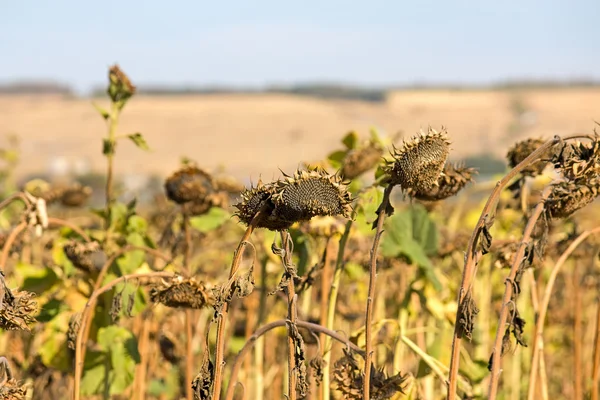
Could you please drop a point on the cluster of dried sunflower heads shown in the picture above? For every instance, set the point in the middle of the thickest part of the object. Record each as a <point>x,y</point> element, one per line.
<point>195,189</point>
<point>522,150</point>
<point>16,309</point>
<point>306,194</point>
<point>360,160</point>
<point>87,257</point>
<point>451,181</point>
<point>418,163</point>
<point>569,196</point>
<point>578,161</point>
<point>120,87</point>
<point>182,292</point>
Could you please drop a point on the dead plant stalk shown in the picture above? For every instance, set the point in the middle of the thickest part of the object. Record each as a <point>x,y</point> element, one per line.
<point>539,327</point>
<point>508,292</point>
<point>385,202</point>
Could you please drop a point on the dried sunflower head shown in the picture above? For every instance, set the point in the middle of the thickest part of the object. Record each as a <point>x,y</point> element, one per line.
<point>568,197</point>
<point>16,309</point>
<point>120,87</point>
<point>87,257</point>
<point>312,193</point>
<point>182,293</point>
<point>253,200</point>
<point>361,160</point>
<point>300,197</point>
<point>418,163</point>
<point>452,180</point>
<point>75,196</point>
<point>190,183</point>
<point>578,160</point>
<point>13,390</point>
<point>522,150</point>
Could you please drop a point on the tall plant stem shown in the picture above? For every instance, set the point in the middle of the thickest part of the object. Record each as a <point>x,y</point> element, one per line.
<point>110,154</point>
<point>508,292</point>
<point>9,242</point>
<point>577,334</point>
<point>88,313</point>
<point>276,324</point>
<point>472,255</point>
<point>189,350</point>
<point>596,360</point>
<point>385,203</point>
<point>331,305</point>
<point>222,316</point>
<point>539,325</point>
<point>290,272</point>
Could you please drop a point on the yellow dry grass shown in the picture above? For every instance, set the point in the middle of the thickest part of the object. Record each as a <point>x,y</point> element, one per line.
<point>251,135</point>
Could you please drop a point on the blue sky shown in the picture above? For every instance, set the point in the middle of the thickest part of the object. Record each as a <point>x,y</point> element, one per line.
<point>254,43</point>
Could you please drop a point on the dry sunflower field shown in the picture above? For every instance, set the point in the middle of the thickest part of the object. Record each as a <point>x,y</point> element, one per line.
<point>381,272</point>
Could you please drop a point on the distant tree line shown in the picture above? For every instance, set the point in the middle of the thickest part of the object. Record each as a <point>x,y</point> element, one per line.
<point>318,90</point>
<point>31,87</point>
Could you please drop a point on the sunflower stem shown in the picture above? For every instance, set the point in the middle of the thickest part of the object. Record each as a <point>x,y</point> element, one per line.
<point>385,202</point>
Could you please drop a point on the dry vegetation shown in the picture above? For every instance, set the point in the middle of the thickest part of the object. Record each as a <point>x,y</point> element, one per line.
<point>380,270</point>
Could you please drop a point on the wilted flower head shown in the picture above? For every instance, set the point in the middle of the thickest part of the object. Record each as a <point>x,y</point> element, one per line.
<point>75,195</point>
<point>360,160</point>
<point>578,160</point>
<point>180,292</point>
<point>418,163</point>
<point>451,181</point>
<point>195,189</point>
<point>16,309</point>
<point>87,257</point>
<point>568,197</point>
<point>522,150</point>
<point>306,194</point>
<point>120,88</point>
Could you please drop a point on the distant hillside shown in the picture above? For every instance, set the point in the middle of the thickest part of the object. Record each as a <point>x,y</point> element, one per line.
<point>35,87</point>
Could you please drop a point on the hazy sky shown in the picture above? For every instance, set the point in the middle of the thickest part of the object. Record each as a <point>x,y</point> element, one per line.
<point>258,42</point>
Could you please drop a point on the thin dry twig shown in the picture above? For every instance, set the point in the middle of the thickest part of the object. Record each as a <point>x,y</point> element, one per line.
<point>539,327</point>
<point>385,203</point>
<point>222,316</point>
<point>472,256</point>
<point>508,292</point>
<point>85,326</point>
<point>276,324</point>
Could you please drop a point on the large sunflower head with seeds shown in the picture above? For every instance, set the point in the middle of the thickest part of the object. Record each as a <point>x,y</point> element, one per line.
<point>300,197</point>
<point>418,162</point>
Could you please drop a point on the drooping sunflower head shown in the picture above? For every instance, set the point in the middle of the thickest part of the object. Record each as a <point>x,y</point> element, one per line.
<point>418,162</point>
<point>306,194</point>
<point>451,181</point>
<point>180,292</point>
<point>522,150</point>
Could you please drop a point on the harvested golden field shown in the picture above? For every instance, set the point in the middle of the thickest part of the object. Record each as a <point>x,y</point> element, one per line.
<point>257,134</point>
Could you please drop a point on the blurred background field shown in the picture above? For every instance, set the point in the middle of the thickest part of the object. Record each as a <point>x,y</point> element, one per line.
<point>251,135</point>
